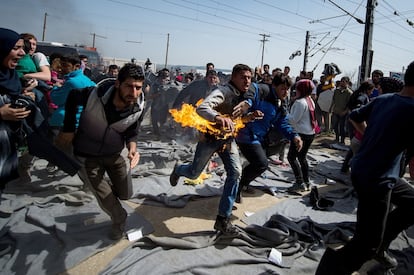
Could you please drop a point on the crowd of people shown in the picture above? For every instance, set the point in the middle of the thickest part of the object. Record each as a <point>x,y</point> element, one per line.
<point>90,122</point>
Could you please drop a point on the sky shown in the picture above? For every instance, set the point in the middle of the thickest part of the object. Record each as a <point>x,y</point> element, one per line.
<point>194,32</point>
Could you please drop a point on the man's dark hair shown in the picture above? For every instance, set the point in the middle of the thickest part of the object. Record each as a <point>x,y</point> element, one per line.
<point>131,70</point>
<point>113,67</point>
<point>211,72</point>
<point>209,64</point>
<point>72,59</point>
<point>409,75</point>
<point>346,79</point>
<point>378,72</point>
<point>279,79</point>
<point>239,68</point>
<point>53,56</point>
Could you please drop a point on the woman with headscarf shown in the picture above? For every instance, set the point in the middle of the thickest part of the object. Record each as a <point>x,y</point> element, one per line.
<point>11,50</point>
<point>302,118</point>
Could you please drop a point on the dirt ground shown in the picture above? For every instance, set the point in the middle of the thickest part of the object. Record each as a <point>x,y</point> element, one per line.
<point>197,215</point>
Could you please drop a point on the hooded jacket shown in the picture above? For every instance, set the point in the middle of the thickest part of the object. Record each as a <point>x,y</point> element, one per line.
<point>275,115</point>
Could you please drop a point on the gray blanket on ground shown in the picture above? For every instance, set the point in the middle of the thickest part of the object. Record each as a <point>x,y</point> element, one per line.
<point>51,225</point>
<point>151,178</point>
<point>291,227</point>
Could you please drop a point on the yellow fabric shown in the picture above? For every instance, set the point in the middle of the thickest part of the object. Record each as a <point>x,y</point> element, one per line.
<point>198,180</point>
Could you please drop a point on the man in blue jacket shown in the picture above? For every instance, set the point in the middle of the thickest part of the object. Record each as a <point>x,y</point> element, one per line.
<point>251,138</point>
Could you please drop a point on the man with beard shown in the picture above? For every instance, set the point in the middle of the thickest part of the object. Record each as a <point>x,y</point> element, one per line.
<point>221,106</point>
<point>109,122</point>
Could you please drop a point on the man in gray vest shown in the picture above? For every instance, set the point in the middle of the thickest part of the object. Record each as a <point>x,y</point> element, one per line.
<point>109,123</point>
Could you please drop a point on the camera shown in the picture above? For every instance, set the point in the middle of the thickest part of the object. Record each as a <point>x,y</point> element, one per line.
<point>24,82</point>
<point>20,103</point>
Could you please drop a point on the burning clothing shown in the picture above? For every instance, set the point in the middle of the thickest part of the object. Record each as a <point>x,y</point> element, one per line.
<point>191,94</point>
<point>221,101</point>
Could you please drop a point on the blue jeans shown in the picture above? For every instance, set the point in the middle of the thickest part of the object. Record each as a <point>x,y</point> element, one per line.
<point>229,154</point>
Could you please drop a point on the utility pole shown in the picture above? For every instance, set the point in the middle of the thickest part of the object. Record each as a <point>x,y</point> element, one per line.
<point>367,52</point>
<point>305,56</point>
<point>94,36</point>
<point>44,27</point>
<point>166,54</point>
<point>264,40</point>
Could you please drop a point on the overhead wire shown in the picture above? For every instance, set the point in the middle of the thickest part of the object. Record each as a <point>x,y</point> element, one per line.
<point>177,15</point>
<point>408,21</point>
<point>336,37</point>
<point>223,7</point>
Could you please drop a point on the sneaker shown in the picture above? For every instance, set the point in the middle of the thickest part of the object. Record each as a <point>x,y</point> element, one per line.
<point>386,260</point>
<point>276,161</point>
<point>174,177</point>
<point>224,225</point>
<point>296,187</point>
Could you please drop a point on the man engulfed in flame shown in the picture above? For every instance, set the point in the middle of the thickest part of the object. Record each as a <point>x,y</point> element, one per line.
<point>187,116</point>
<point>222,109</point>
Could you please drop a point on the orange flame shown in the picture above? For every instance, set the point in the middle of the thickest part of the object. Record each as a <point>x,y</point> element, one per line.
<point>188,117</point>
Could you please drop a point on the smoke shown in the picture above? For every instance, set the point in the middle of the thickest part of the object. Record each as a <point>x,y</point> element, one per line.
<point>58,21</point>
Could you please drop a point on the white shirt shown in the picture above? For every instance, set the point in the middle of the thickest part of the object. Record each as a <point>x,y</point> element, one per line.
<point>40,59</point>
<point>299,117</point>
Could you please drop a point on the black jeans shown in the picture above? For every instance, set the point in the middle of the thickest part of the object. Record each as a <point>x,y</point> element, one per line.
<point>384,211</point>
<point>298,161</point>
<point>258,163</point>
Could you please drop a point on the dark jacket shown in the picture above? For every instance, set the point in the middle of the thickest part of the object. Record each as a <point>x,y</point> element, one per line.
<point>96,136</point>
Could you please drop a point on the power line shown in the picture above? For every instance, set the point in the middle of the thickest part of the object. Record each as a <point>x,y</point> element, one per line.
<point>210,14</point>
<point>178,15</point>
<point>342,9</point>
<point>409,22</point>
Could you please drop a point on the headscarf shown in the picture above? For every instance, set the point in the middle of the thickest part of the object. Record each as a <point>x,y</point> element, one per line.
<point>9,80</point>
<point>390,85</point>
<point>304,87</point>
